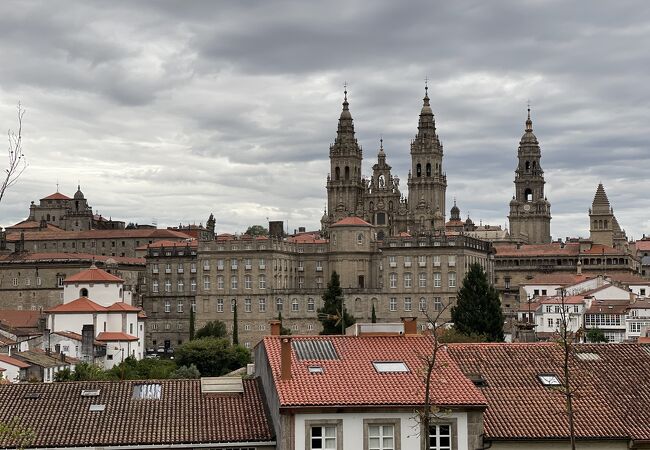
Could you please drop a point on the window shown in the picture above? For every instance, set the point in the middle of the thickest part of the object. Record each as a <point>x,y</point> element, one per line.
<point>359,238</point>
<point>168,286</point>
<point>311,305</point>
<point>179,306</point>
<point>233,264</point>
<point>248,282</point>
<point>248,307</point>
<point>392,304</point>
<point>168,306</point>
<point>549,308</point>
<point>193,285</point>
<point>301,282</point>
<point>168,268</point>
<point>206,264</point>
<point>393,280</point>
<point>436,261</point>
<point>422,277</point>
<point>220,283</point>
<point>262,305</point>
<point>154,286</point>
<point>278,304</point>
<point>262,281</point>
<point>323,434</point>
<point>451,260</point>
<point>220,305</point>
<point>219,264</point>
<point>380,434</point>
<point>180,268</point>
<point>193,267</point>
<point>440,437</point>
<point>452,279</point>
<point>294,305</point>
<point>59,281</point>
<point>422,260</point>
<point>506,282</point>
<point>407,261</point>
<point>549,322</point>
<point>407,280</point>
<point>407,304</point>
<point>390,366</point>
<point>262,264</point>
<point>437,303</point>
<point>422,306</point>
<point>319,266</point>
<point>206,282</point>
<point>392,262</point>
<point>233,282</point>
<point>233,305</point>
<point>181,285</point>
<point>548,379</point>
<point>437,279</point>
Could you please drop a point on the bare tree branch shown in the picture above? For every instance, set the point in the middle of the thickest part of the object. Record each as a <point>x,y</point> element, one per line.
<point>16,162</point>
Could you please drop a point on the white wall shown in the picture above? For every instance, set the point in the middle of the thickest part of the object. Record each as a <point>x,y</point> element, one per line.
<point>11,373</point>
<point>353,428</point>
<point>104,294</point>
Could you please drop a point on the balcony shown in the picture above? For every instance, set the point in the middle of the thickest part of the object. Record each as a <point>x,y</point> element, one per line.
<point>407,264</point>
<point>319,269</point>
<point>248,267</point>
<point>301,269</point>
<point>193,270</point>
<point>181,270</point>
<point>262,266</point>
<point>168,270</point>
<point>392,264</point>
<point>220,267</point>
<point>233,267</point>
<point>154,270</point>
<point>422,264</point>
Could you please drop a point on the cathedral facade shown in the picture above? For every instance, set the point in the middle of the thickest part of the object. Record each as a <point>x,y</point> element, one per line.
<point>378,200</point>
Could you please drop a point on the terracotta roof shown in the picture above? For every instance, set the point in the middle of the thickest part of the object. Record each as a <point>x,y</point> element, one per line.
<point>67,257</point>
<point>20,318</point>
<point>561,278</point>
<point>629,278</point>
<point>167,243</point>
<point>115,336</point>
<point>93,275</point>
<point>608,307</point>
<point>643,245</point>
<point>612,397</point>
<point>352,222</point>
<point>56,196</point>
<point>32,225</point>
<point>80,305</point>
<point>99,234</point>
<point>13,361</point>
<point>308,238</point>
<point>60,416</point>
<point>121,306</point>
<point>40,358</point>
<point>351,379</point>
<point>555,249</point>
<point>75,337</point>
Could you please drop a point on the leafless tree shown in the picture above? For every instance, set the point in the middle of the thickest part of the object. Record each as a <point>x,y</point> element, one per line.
<point>16,163</point>
<point>567,339</point>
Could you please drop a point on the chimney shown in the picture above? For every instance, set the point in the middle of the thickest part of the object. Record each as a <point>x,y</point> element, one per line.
<point>87,342</point>
<point>285,358</point>
<point>62,357</point>
<point>275,327</point>
<point>410,326</point>
<point>302,229</point>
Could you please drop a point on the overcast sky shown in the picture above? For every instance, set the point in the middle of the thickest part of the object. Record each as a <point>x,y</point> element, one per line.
<point>169,111</point>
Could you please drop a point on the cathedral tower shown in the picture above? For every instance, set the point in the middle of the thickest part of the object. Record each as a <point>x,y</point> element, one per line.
<point>603,226</point>
<point>344,186</point>
<point>427,183</point>
<point>530,211</point>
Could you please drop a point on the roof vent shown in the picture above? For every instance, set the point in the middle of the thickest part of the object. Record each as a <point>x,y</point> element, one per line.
<point>149,391</point>
<point>32,395</point>
<point>222,385</point>
<point>90,393</point>
<point>316,370</point>
<point>96,407</point>
<point>390,366</point>
<point>477,379</point>
<point>588,356</point>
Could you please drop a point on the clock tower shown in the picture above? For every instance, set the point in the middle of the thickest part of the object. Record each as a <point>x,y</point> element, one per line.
<point>530,211</point>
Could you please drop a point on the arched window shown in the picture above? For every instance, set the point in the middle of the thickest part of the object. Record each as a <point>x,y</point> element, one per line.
<point>347,172</point>
<point>428,169</point>
<point>380,235</point>
<point>381,218</point>
<point>418,170</point>
<point>527,166</point>
<point>390,205</point>
<point>528,195</point>
<point>372,206</point>
<point>48,217</point>
<point>83,292</point>
<point>534,165</point>
<point>337,174</point>
<point>360,238</point>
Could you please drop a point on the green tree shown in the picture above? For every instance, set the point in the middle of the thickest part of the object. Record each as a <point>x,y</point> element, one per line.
<point>373,315</point>
<point>88,372</point>
<point>212,356</point>
<point>284,331</point>
<point>478,308</point>
<point>185,372</point>
<point>449,335</point>
<point>235,325</point>
<point>596,335</point>
<point>144,369</point>
<point>215,328</point>
<point>64,375</point>
<point>257,230</point>
<point>333,315</point>
<point>192,322</point>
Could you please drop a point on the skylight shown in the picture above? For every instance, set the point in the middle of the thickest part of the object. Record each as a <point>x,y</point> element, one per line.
<point>150,391</point>
<point>390,366</point>
<point>549,379</point>
<point>32,395</point>
<point>90,393</point>
<point>96,407</point>
<point>315,369</point>
<point>588,356</point>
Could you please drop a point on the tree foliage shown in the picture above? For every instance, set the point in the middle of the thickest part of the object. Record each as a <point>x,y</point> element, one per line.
<point>186,372</point>
<point>14,435</point>
<point>373,315</point>
<point>478,308</point>
<point>212,356</point>
<point>215,328</point>
<point>235,324</point>
<point>596,335</point>
<point>450,335</point>
<point>284,331</point>
<point>333,315</point>
<point>257,230</point>
<point>143,369</point>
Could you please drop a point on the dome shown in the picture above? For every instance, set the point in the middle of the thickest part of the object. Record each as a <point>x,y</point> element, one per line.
<point>78,195</point>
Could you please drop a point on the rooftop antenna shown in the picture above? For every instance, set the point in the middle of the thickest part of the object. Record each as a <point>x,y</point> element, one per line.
<point>57,185</point>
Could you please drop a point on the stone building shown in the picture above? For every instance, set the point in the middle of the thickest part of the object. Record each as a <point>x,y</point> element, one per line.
<point>378,200</point>
<point>603,226</point>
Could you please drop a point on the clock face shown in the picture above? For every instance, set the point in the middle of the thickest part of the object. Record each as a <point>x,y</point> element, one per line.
<point>526,207</point>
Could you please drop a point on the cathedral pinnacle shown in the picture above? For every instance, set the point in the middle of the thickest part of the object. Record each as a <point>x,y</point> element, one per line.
<point>529,122</point>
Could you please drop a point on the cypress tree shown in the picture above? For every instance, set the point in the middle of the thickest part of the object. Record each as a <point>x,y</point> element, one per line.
<point>373,315</point>
<point>235,327</point>
<point>332,310</point>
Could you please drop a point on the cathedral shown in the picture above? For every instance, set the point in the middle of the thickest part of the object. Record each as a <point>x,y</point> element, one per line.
<point>378,200</point>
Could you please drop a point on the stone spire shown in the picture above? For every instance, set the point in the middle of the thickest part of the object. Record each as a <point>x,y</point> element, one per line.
<point>601,202</point>
<point>345,132</point>
<point>426,123</point>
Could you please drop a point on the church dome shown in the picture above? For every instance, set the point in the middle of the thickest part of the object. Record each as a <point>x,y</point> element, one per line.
<point>78,195</point>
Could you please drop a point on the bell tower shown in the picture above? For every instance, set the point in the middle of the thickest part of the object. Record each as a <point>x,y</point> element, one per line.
<point>344,186</point>
<point>427,183</point>
<point>530,211</point>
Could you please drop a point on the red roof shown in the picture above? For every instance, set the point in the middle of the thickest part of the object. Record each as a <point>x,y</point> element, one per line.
<point>351,378</point>
<point>13,361</point>
<point>80,305</point>
<point>93,275</point>
<point>32,225</point>
<point>69,257</point>
<point>611,391</point>
<point>561,278</point>
<point>555,249</point>
<point>56,196</point>
<point>115,336</point>
<point>352,222</point>
<point>99,234</point>
<point>121,306</point>
<point>643,245</point>
<point>168,243</point>
<point>20,318</point>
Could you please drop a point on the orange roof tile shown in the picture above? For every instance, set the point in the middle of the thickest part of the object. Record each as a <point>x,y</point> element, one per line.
<point>93,275</point>
<point>168,243</point>
<point>32,225</point>
<point>115,336</point>
<point>554,249</point>
<point>13,361</point>
<point>67,257</point>
<point>643,245</point>
<point>351,380</point>
<point>352,222</point>
<point>561,278</point>
<point>56,196</point>
<point>121,306</point>
<point>99,234</point>
<point>20,318</point>
<point>80,305</point>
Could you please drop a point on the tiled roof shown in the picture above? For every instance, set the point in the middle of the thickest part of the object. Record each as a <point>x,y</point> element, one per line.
<point>20,318</point>
<point>643,245</point>
<point>40,358</point>
<point>555,249</point>
<point>121,306</point>
<point>93,275</point>
<point>56,196</point>
<point>68,257</point>
<point>115,336</point>
<point>351,380</point>
<point>608,307</point>
<point>13,361</point>
<point>60,416</point>
<point>561,278</point>
<point>74,336</point>
<point>99,234</point>
<point>352,222</point>
<point>80,305</point>
<point>192,243</point>
<point>612,397</point>
<point>308,238</point>
<point>32,225</point>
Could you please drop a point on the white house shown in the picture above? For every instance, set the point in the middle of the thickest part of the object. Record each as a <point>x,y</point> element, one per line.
<point>13,370</point>
<point>356,392</point>
<point>96,306</point>
<point>637,321</point>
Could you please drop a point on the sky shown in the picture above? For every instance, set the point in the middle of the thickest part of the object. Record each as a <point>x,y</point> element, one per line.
<point>167,111</point>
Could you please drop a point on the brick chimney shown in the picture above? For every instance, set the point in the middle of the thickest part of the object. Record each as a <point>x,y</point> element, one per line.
<point>410,326</point>
<point>285,358</point>
<point>275,327</point>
